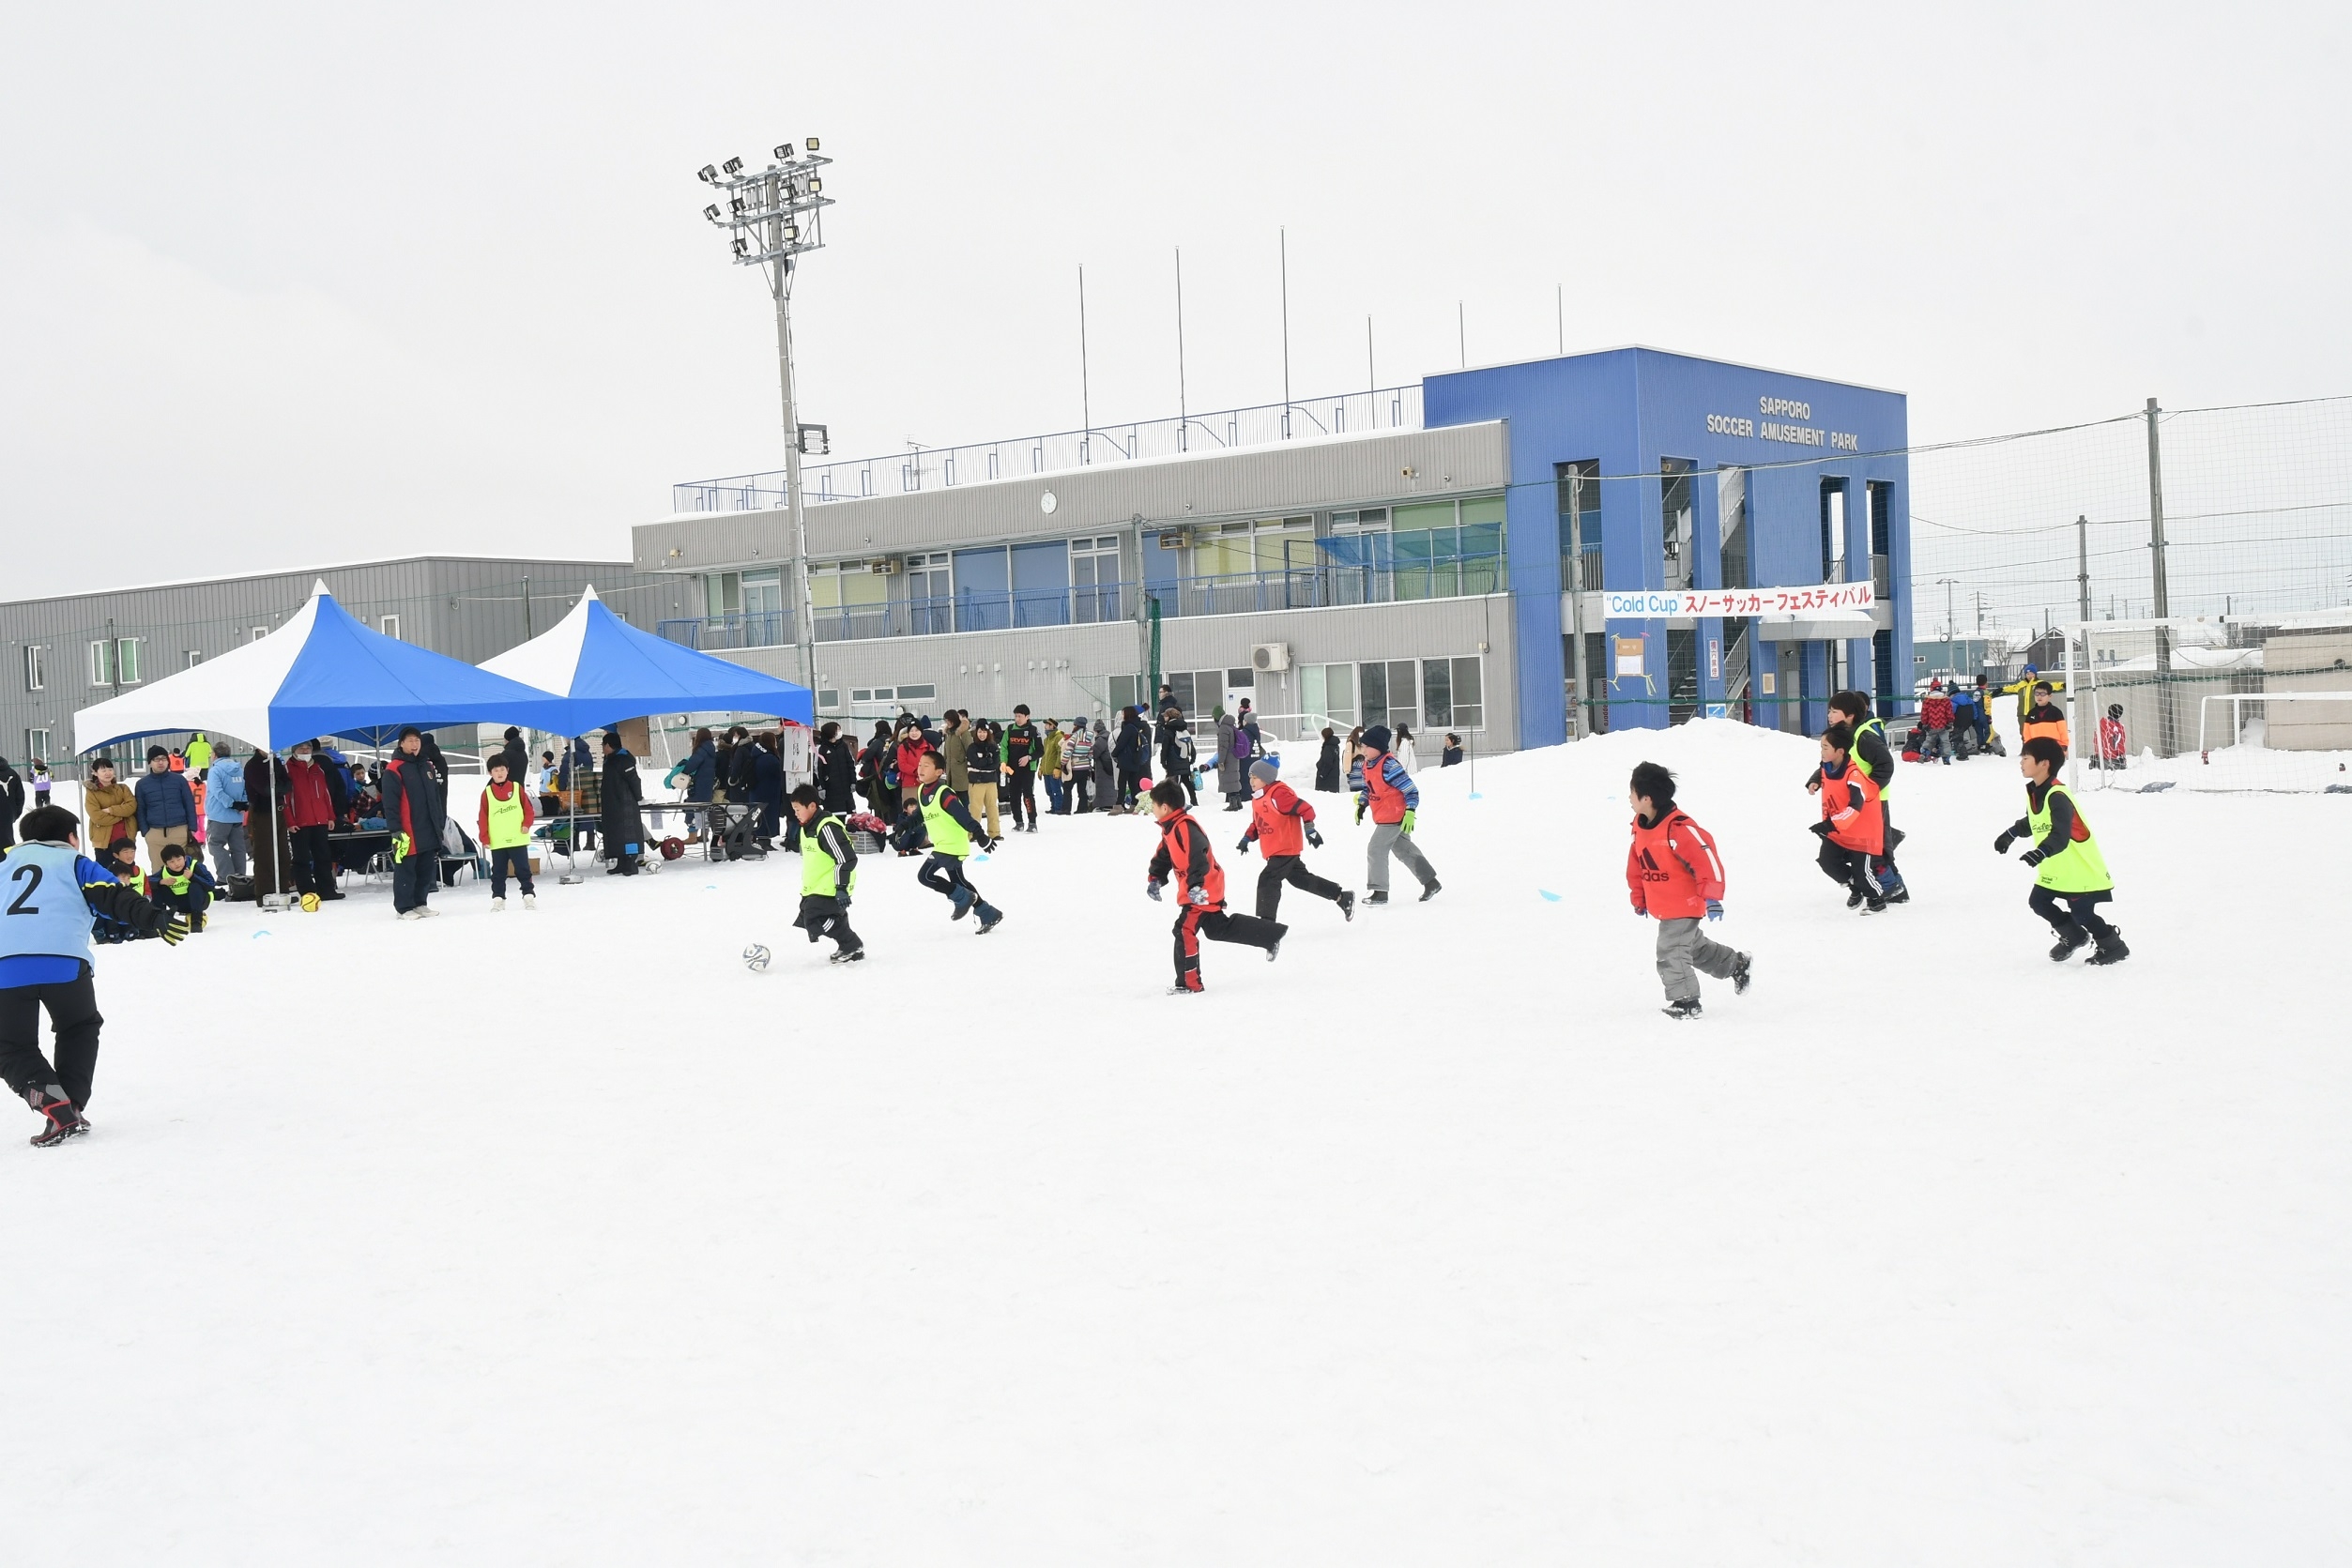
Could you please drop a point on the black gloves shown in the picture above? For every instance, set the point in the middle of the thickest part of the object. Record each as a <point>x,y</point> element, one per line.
<point>2031,857</point>
<point>2001,845</point>
<point>1822,827</point>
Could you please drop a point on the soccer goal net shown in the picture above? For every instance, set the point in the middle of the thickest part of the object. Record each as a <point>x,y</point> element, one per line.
<point>2211,703</point>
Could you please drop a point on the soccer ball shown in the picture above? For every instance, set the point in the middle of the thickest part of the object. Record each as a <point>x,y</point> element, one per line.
<point>310,903</point>
<point>755,958</point>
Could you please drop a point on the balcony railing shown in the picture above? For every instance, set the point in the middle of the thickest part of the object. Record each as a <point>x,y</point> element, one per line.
<point>998,610</point>
<point>943,468</point>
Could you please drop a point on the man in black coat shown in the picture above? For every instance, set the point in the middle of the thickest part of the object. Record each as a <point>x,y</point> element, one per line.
<point>622,826</point>
<point>417,810</point>
<point>1133,754</point>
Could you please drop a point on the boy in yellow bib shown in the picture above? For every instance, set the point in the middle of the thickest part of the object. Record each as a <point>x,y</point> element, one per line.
<point>2067,866</point>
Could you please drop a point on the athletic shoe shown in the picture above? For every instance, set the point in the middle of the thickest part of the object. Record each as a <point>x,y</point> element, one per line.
<point>1739,975</point>
<point>1854,897</point>
<point>1273,947</point>
<point>1181,990</point>
<point>1430,893</point>
<point>1901,893</point>
<point>1347,905</point>
<point>412,914</point>
<point>426,911</point>
<point>530,900</point>
<point>1686,1008</point>
<point>2111,949</point>
<point>1874,906</point>
<point>498,905</point>
<point>1378,895</point>
<point>2071,941</point>
<point>852,955</point>
<point>64,1120</point>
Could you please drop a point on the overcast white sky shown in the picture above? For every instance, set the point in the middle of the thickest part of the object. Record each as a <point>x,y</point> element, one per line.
<point>291,283</point>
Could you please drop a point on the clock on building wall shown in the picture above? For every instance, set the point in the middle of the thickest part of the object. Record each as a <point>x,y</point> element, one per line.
<point>1046,502</point>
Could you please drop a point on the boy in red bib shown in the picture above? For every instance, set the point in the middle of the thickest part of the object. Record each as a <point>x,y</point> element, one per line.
<point>1200,891</point>
<point>1853,825</point>
<point>1676,877</point>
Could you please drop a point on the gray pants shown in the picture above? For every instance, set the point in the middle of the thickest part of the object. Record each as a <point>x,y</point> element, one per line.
<point>1683,949</point>
<point>1391,838</point>
<point>226,840</point>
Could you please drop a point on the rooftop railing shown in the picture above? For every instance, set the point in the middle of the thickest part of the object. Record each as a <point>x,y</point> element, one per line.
<point>921,468</point>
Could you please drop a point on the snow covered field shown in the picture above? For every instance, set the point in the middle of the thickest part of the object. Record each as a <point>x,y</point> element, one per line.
<point>560,1238</point>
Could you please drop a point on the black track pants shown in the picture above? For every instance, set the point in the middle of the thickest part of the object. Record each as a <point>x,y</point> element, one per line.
<point>73,1014</point>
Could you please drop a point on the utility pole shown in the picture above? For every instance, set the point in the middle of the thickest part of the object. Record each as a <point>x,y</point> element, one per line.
<point>527,606</point>
<point>1086,392</point>
<point>2082,566</point>
<point>2166,725</point>
<point>1283,237</point>
<point>1952,618</point>
<point>1184,416</point>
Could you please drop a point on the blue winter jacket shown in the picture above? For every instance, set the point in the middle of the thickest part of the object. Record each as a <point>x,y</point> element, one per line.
<point>165,801</point>
<point>224,791</point>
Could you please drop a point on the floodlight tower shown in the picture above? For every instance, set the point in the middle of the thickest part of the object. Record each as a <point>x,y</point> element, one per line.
<point>775,215</point>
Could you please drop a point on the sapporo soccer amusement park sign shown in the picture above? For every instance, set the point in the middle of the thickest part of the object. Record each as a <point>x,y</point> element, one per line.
<point>1675,605</point>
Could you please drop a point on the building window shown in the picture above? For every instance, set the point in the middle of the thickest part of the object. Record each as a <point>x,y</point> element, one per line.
<point>918,693</point>
<point>1674,512</point>
<point>1329,691</point>
<point>1731,514</point>
<point>35,668</point>
<point>930,594</point>
<point>1682,672</point>
<point>37,745</point>
<point>1833,530</point>
<point>849,599</point>
<point>1094,579</point>
<point>1580,525</point>
<point>389,625</point>
<point>828,701</point>
<point>259,632</point>
<point>1388,693</point>
<point>1470,694</point>
<point>195,657</point>
<point>103,663</point>
<point>126,660</point>
<point>723,594</point>
<point>1597,682</point>
<point>1452,693</point>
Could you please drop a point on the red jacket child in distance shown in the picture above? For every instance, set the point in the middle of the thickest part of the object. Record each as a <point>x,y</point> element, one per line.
<point>1184,854</point>
<point>1675,876</point>
<point>1282,825</point>
<point>1852,828</point>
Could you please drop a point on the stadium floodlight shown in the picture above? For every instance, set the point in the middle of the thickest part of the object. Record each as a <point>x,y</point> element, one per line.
<point>774,215</point>
<point>708,174</point>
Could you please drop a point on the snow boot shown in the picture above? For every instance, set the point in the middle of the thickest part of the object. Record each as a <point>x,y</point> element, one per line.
<point>962,898</point>
<point>1378,895</point>
<point>1679,1011</point>
<point>1347,905</point>
<point>1430,892</point>
<point>2073,940</point>
<point>2111,947</point>
<point>990,918</point>
<point>498,905</point>
<point>1739,975</point>
<point>64,1120</point>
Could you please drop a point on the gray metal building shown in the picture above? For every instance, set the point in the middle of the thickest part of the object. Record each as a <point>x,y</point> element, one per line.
<point>66,653</point>
<point>1340,576</point>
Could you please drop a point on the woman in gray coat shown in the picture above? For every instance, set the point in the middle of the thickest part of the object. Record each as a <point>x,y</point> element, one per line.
<point>1231,781</point>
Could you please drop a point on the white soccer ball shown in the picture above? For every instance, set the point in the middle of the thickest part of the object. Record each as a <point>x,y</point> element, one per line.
<point>755,958</point>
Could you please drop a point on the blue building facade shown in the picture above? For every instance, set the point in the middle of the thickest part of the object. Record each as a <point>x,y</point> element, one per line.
<point>1679,491</point>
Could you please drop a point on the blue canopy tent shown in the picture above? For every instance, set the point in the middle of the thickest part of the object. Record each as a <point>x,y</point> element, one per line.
<point>322,673</point>
<point>604,670</point>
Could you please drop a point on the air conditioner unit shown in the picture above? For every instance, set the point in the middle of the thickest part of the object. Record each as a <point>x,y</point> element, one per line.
<point>889,568</point>
<point>1270,657</point>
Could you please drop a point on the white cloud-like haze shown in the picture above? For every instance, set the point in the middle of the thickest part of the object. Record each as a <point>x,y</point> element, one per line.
<point>280,285</point>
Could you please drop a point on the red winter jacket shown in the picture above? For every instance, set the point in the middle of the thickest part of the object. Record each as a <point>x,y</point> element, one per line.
<point>309,804</point>
<point>1185,850</point>
<point>1937,712</point>
<point>1279,821</point>
<point>1673,868</point>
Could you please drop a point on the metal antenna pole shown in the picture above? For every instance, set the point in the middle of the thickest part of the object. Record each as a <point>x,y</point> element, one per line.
<point>1560,306</point>
<point>2082,566</point>
<point>1283,235</point>
<point>1461,332</point>
<point>1371,377</point>
<point>1183,413</point>
<point>1086,392</point>
<point>2166,725</point>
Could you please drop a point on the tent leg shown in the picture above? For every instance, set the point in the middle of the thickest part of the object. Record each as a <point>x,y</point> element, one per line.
<point>571,876</point>
<point>276,898</point>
